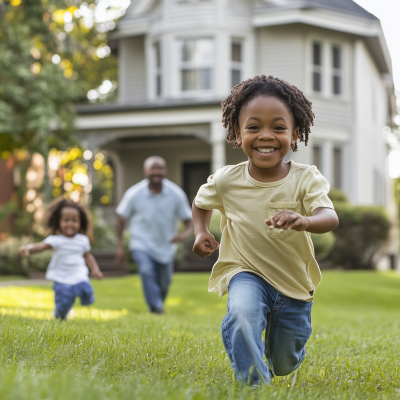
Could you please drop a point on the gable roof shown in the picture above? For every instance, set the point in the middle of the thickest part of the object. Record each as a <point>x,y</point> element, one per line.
<point>343,6</point>
<point>347,6</point>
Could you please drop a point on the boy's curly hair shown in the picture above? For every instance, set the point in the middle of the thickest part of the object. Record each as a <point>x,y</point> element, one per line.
<point>241,94</point>
<point>53,216</point>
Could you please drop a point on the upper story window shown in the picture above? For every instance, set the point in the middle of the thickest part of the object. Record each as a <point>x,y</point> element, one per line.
<point>158,75</point>
<point>327,68</point>
<point>336,70</point>
<point>236,63</point>
<point>197,58</point>
<point>317,67</point>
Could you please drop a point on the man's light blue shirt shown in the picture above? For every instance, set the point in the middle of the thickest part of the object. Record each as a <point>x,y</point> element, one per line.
<point>154,218</point>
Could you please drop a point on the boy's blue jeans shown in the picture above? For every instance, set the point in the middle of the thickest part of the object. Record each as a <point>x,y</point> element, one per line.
<point>156,278</point>
<point>65,296</point>
<point>253,306</point>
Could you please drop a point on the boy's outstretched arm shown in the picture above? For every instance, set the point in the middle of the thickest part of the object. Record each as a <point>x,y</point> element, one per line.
<point>25,250</point>
<point>92,265</point>
<point>205,243</point>
<point>322,220</point>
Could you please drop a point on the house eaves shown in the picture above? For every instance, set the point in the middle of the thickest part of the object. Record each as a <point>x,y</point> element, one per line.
<point>368,28</point>
<point>85,109</point>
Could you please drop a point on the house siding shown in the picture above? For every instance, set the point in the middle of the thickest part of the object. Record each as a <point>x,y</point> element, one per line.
<point>132,70</point>
<point>371,105</point>
<point>279,52</point>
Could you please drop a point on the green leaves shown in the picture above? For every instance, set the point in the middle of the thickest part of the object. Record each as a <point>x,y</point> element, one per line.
<point>34,92</point>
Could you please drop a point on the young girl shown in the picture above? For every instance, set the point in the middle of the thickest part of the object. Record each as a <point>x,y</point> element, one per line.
<point>69,223</point>
<point>269,208</point>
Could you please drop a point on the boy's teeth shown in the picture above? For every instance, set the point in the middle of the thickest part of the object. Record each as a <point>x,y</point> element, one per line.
<point>265,150</point>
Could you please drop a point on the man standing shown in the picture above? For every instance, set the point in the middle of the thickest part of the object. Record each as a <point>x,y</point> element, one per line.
<point>154,207</point>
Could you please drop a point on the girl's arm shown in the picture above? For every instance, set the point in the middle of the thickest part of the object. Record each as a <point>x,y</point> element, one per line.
<point>25,250</point>
<point>205,243</point>
<point>92,265</point>
<point>322,220</point>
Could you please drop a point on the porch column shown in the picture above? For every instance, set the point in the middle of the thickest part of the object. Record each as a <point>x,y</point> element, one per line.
<point>218,140</point>
<point>327,161</point>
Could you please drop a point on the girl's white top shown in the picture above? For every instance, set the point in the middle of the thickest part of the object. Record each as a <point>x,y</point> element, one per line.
<point>67,264</point>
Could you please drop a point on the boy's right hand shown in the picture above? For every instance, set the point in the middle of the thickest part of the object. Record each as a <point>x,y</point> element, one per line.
<point>23,251</point>
<point>205,244</point>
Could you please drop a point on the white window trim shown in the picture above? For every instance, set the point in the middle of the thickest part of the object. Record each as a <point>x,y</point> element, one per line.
<point>180,64</point>
<point>239,66</point>
<point>327,68</point>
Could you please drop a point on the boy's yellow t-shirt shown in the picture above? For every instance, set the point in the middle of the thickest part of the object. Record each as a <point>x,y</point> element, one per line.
<point>284,259</point>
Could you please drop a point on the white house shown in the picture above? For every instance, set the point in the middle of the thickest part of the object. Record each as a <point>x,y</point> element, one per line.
<point>179,58</point>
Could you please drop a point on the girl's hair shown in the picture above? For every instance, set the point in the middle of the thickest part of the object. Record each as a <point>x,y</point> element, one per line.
<point>244,92</point>
<point>53,216</point>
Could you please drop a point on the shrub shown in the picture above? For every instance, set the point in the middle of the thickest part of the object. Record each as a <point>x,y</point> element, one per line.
<point>337,196</point>
<point>323,244</point>
<point>360,235</point>
<point>12,264</point>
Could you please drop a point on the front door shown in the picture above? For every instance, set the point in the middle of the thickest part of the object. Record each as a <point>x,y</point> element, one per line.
<point>194,175</point>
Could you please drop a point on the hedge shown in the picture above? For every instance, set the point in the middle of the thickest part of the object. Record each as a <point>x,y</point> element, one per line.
<point>361,233</point>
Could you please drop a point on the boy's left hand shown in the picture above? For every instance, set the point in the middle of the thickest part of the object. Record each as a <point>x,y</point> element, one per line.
<point>284,220</point>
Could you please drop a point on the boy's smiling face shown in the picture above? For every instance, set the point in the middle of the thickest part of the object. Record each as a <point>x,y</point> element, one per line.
<point>266,132</point>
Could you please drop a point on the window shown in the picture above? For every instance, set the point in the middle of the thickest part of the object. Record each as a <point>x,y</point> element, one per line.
<point>157,51</point>
<point>317,67</point>
<point>337,168</point>
<point>336,70</point>
<point>197,56</point>
<point>317,161</point>
<point>236,63</point>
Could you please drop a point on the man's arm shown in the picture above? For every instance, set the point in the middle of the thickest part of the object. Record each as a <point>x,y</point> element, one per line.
<point>205,243</point>
<point>120,243</point>
<point>187,232</point>
<point>24,251</point>
<point>92,265</point>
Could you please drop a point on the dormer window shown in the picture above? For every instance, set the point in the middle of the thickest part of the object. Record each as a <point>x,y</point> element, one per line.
<point>197,58</point>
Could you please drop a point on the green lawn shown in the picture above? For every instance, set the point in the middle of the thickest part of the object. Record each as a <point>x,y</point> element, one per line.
<point>116,350</point>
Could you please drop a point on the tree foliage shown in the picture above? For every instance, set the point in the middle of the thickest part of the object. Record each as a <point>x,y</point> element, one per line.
<point>35,96</point>
<point>49,60</point>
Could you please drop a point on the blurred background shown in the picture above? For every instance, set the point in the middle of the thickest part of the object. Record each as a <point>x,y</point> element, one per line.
<point>89,89</point>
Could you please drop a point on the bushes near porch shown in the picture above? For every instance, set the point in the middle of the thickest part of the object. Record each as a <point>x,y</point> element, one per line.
<point>360,236</point>
<point>354,244</point>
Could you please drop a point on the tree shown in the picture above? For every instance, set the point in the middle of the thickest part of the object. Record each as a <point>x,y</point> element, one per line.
<point>51,54</point>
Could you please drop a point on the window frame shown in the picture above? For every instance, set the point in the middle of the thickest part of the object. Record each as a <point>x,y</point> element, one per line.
<point>158,69</point>
<point>190,65</point>
<point>337,72</point>
<point>317,68</point>
<point>236,66</point>
<point>327,69</point>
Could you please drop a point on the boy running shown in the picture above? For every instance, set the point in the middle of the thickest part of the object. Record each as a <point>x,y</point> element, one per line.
<point>269,208</point>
